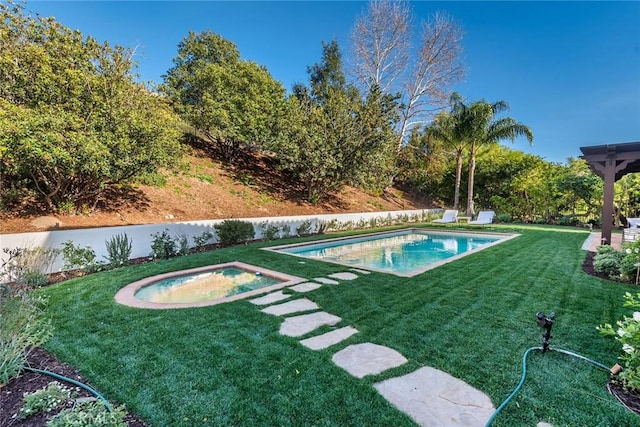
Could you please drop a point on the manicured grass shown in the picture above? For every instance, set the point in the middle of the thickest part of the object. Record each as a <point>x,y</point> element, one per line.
<point>473,318</point>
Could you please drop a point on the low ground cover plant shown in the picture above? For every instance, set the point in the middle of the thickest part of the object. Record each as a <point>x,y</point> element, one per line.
<point>608,261</point>
<point>89,414</point>
<point>53,396</point>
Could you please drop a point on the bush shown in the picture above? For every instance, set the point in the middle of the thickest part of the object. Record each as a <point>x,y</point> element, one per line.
<point>233,231</point>
<point>79,258</point>
<point>21,329</point>
<point>269,231</point>
<point>89,414</point>
<point>162,245</point>
<point>201,240</point>
<point>304,228</point>
<point>569,220</point>
<point>182,244</point>
<point>118,250</point>
<point>44,400</point>
<point>28,267</point>
<point>627,332</point>
<point>631,257</point>
<point>608,261</point>
<point>506,218</point>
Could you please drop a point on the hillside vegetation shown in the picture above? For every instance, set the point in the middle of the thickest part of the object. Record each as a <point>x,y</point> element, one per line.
<point>206,189</point>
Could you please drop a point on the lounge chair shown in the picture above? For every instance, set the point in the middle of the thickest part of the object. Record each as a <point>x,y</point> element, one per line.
<point>449,215</point>
<point>484,217</point>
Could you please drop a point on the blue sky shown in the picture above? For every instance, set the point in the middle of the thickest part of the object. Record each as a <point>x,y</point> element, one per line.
<point>569,70</point>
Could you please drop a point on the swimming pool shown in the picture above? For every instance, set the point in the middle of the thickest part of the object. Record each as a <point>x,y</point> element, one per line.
<point>203,286</point>
<point>403,253</point>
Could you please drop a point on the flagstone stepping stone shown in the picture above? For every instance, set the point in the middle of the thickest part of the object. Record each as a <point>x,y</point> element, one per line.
<point>326,281</point>
<point>434,398</point>
<point>306,287</point>
<point>330,338</point>
<point>270,298</point>
<point>289,307</point>
<point>365,359</point>
<point>297,326</point>
<point>344,276</point>
<point>357,270</point>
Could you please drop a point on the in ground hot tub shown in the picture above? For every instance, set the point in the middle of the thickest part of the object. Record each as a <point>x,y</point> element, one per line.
<point>199,287</point>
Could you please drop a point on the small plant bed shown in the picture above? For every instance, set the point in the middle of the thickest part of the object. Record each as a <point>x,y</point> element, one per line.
<point>12,394</point>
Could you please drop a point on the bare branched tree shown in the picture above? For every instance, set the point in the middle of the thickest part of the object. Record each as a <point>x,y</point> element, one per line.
<point>424,74</point>
<point>381,40</point>
<point>434,70</point>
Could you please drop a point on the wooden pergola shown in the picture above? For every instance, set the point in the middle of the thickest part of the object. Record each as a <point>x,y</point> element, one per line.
<point>611,162</point>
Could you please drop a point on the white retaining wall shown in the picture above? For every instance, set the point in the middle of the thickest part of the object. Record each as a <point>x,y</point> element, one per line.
<point>140,235</point>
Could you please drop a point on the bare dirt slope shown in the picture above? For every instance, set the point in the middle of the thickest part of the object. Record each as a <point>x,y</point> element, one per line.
<point>208,190</point>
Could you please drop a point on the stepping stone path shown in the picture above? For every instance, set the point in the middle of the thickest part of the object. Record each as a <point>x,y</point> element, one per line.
<point>330,338</point>
<point>435,398</point>
<point>289,307</point>
<point>365,359</point>
<point>344,276</point>
<point>306,287</point>
<point>429,396</point>
<point>326,281</point>
<point>297,326</point>
<point>270,298</point>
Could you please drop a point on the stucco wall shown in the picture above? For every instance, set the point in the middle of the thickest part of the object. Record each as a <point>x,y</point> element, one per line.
<point>140,235</point>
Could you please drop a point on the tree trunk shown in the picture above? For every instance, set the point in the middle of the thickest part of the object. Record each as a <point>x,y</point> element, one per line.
<point>472,171</point>
<point>456,196</point>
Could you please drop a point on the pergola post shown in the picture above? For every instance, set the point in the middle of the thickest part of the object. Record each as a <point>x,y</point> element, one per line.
<point>607,204</point>
<point>611,162</point>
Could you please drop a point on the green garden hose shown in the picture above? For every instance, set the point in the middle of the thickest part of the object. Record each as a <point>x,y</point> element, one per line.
<point>74,382</point>
<point>524,374</point>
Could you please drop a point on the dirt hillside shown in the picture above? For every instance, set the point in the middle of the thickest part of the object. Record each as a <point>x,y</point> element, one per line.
<point>208,190</point>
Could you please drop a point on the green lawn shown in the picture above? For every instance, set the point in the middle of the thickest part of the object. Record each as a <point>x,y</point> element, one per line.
<point>473,318</point>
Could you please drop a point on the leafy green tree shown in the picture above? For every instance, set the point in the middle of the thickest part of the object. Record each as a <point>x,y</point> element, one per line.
<point>331,136</point>
<point>423,164</point>
<point>581,191</point>
<point>231,101</point>
<point>375,166</point>
<point>517,183</point>
<point>73,121</point>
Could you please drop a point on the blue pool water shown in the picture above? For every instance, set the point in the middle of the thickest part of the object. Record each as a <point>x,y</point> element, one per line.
<point>204,286</point>
<point>403,253</point>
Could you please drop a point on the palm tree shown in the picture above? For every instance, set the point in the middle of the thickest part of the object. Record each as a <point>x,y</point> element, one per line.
<point>445,129</point>
<point>478,126</point>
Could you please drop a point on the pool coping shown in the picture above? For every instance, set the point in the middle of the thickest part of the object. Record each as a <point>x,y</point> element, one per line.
<point>414,272</point>
<point>126,295</point>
